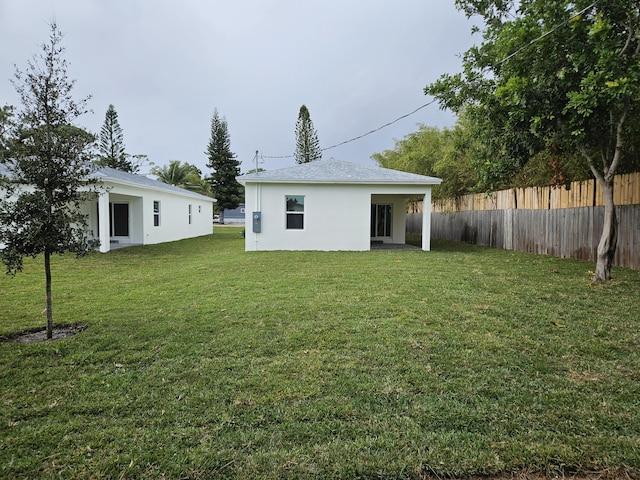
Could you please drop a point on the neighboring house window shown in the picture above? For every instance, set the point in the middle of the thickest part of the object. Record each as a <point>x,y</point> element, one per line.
<point>295,212</point>
<point>242,211</point>
<point>156,213</point>
<point>189,214</point>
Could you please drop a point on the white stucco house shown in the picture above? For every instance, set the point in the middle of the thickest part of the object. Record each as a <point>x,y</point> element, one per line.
<point>331,205</point>
<point>132,209</point>
<point>136,210</point>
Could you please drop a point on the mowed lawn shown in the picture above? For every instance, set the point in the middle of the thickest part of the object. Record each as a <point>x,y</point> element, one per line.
<point>201,361</point>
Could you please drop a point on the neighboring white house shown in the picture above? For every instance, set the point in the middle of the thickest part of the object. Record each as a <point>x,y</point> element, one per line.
<point>331,205</point>
<point>132,209</point>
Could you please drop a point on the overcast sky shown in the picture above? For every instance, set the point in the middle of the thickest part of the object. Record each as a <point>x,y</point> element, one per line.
<point>166,65</point>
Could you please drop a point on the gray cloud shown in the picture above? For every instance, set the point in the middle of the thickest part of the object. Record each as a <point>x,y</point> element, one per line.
<point>166,65</point>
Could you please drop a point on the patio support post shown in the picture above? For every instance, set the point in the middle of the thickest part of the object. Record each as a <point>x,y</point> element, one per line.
<point>426,221</point>
<point>103,215</point>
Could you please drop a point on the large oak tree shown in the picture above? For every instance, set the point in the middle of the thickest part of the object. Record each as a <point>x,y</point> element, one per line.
<point>562,74</point>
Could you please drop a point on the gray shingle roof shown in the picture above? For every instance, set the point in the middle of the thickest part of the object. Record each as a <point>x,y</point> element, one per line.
<point>108,174</point>
<point>338,171</point>
<point>118,176</point>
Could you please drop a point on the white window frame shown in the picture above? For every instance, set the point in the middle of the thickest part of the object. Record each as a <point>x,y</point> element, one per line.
<point>156,213</point>
<point>297,213</point>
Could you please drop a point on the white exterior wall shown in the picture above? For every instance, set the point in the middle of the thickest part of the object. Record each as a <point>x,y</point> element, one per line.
<point>336,216</point>
<point>174,216</point>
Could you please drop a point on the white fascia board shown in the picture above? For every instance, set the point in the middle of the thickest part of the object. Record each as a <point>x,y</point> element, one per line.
<point>434,181</point>
<point>184,193</point>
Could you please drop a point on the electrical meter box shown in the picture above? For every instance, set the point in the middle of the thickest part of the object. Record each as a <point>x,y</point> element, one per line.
<point>257,222</point>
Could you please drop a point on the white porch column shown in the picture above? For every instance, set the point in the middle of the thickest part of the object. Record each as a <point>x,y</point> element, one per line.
<point>426,221</point>
<point>103,219</point>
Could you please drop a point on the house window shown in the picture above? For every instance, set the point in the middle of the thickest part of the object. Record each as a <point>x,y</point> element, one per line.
<point>295,212</point>
<point>156,213</point>
<point>189,214</point>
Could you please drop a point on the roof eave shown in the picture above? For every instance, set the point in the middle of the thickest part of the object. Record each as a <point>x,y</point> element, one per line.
<point>343,182</point>
<point>126,183</point>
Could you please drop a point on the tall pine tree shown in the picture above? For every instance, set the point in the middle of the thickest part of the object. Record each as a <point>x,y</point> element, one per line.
<point>225,166</point>
<point>111,144</point>
<point>307,144</point>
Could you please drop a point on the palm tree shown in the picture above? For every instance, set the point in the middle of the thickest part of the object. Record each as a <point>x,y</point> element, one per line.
<point>183,175</point>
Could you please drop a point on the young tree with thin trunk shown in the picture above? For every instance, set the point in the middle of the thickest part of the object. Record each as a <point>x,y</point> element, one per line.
<point>307,144</point>
<point>226,190</point>
<point>561,74</point>
<point>48,168</point>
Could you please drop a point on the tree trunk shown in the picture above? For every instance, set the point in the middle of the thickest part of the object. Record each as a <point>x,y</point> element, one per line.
<point>47,270</point>
<point>609,237</point>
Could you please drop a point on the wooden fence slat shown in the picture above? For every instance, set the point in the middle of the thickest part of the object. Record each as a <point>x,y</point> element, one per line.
<point>571,232</point>
<point>580,194</point>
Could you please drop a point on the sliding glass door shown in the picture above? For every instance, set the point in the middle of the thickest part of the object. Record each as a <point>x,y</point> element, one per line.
<point>381,224</point>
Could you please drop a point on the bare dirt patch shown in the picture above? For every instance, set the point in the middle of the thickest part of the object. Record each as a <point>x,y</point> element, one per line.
<point>34,335</point>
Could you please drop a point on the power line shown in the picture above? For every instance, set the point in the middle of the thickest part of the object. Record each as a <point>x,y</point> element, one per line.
<point>380,128</point>
<point>364,134</point>
<point>532,42</point>
<point>549,32</point>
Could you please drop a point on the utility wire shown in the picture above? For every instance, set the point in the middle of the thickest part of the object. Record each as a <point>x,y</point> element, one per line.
<point>364,134</point>
<point>549,32</point>
<point>532,42</point>
<point>380,128</point>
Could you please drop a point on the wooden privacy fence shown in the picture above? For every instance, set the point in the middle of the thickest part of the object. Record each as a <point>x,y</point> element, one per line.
<point>579,194</point>
<point>560,222</point>
<point>565,233</point>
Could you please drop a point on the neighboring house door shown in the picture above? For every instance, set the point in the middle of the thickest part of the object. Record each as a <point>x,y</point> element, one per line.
<point>381,224</point>
<point>119,219</point>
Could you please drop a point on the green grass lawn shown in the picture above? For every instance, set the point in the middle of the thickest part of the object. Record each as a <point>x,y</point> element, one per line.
<point>201,360</point>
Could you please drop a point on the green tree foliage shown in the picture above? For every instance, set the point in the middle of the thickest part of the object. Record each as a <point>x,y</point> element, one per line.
<point>48,167</point>
<point>552,167</point>
<point>307,144</point>
<point>559,74</point>
<point>6,114</point>
<point>111,150</point>
<point>446,154</point>
<point>227,191</point>
<point>183,175</point>
<point>111,142</point>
